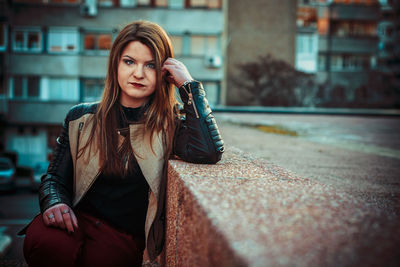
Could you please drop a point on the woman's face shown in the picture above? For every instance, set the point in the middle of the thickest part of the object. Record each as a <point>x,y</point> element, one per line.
<point>136,74</point>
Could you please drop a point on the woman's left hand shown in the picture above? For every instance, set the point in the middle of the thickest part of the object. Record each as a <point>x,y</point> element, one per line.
<point>176,72</point>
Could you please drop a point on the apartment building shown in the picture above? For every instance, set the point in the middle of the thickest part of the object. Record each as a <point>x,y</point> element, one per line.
<point>307,36</point>
<point>338,41</point>
<point>54,55</point>
<point>389,39</point>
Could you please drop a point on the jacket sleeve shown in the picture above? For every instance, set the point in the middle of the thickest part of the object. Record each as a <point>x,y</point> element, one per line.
<point>197,138</point>
<point>56,184</point>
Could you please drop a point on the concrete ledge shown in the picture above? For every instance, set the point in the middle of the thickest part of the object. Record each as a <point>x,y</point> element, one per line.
<point>309,110</point>
<point>247,212</point>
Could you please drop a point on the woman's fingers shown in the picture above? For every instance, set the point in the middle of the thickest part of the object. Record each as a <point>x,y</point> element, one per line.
<point>177,70</point>
<point>49,218</point>
<point>46,220</point>
<point>74,219</point>
<point>66,213</point>
<point>60,216</point>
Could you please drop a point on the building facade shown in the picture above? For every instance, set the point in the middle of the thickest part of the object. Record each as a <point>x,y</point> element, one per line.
<point>346,48</point>
<point>389,49</point>
<point>54,55</point>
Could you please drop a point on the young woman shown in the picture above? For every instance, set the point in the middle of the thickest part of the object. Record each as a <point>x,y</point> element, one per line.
<point>102,200</point>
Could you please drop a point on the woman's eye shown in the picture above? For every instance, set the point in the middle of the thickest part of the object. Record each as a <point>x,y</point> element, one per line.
<point>151,66</point>
<point>128,61</point>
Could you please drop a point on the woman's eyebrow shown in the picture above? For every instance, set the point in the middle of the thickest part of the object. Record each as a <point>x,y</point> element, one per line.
<point>149,61</point>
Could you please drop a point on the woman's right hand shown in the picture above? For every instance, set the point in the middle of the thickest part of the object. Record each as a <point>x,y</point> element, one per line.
<point>60,216</point>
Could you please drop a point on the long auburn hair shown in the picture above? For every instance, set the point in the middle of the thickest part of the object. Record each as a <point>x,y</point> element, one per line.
<point>159,109</point>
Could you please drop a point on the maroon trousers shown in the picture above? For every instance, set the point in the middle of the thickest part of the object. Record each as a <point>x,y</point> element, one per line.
<point>94,244</point>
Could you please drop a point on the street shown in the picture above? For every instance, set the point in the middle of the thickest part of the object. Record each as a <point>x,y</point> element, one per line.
<point>359,155</point>
<point>16,210</point>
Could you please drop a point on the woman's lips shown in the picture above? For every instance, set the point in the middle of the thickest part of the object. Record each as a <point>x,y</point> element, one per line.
<point>138,85</point>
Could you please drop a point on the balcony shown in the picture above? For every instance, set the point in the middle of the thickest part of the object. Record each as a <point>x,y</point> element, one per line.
<point>350,12</point>
<point>56,65</point>
<point>356,45</point>
<point>37,112</point>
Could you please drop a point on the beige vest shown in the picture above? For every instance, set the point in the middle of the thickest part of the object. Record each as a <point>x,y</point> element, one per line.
<point>87,167</point>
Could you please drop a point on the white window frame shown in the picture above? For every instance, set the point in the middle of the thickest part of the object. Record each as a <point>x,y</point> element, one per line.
<point>69,87</point>
<point>175,45</point>
<point>65,32</point>
<point>96,32</point>
<point>26,31</point>
<point>336,62</point>
<point>206,50</point>
<point>106,3</point>
<point>127,3</point>
<point>98,81</point>
<point>204,4</point>
<point>25,89</point>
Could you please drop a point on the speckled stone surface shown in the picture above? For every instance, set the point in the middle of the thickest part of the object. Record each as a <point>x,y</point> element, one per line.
<point>244,211</point>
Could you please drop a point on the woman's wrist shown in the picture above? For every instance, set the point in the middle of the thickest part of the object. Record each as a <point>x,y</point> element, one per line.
<point>186,83</point>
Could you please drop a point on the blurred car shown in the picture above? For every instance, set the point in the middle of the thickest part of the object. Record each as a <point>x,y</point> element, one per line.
<point>7,175</point>
<point>24,177</point>
<point>38,171</point>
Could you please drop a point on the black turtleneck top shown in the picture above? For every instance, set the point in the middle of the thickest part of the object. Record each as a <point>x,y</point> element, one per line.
<point>121,201</point>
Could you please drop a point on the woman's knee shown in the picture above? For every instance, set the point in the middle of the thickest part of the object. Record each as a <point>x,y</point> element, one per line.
<point>45,245</point>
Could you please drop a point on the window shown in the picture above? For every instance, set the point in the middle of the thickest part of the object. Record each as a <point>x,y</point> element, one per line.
<point>212,45</point>
<point>143,2</point>
<point>106,3</point>
<point>23,87</point>
<point>62,1</point>
<point>197,45</point>
<point>127,3</point>
<point>3,37</point>
<point>97,41</point>
<point>203,3</point>
<point>66,89</point>
<point>92,89</point>
<point>33,87</point>
<point>18,87</point>
<point>354,28</point>
<point>386,30</point>
<point>322,62</point>
<point>350,62</point>
<point>176,3</point>
<point>306,43</point>
<point>204,45</point>
<point>157,3</point>
<point>160,3</point>
<point>177,44</point>
<point>63,40</point>
<point>336,63</point>
<point>27,39</point>
<point>48,1</point>
<point>306,16</point>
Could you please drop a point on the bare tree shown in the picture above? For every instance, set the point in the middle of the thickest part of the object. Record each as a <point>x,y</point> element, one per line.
<point>273,82</point>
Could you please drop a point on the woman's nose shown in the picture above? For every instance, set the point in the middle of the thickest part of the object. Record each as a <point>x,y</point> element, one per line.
<point>138,71</point>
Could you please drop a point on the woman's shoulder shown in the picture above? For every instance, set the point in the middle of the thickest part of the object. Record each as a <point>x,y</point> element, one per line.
<point>81,109</point>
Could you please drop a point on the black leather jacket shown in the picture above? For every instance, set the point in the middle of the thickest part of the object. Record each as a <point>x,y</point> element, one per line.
<point>197,139</point>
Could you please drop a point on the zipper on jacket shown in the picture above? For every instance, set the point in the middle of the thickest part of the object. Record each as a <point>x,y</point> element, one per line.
<point>79,131</point>
<point>191,100</point>
<point>80,126</point>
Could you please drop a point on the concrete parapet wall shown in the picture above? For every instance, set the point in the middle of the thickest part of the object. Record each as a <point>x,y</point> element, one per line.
<point>247,212</point>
